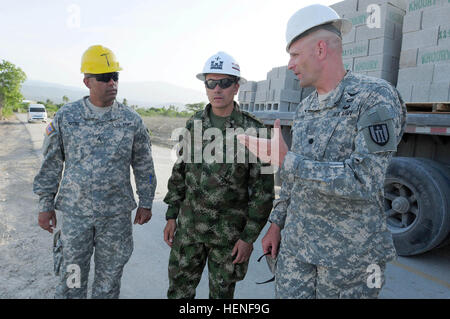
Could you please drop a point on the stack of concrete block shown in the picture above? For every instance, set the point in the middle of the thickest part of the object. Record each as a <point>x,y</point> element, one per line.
<point>424,74</point>
<point>280,92</point>
<point>246,96</point>
<point>284,91</point>
<point>372,47</point>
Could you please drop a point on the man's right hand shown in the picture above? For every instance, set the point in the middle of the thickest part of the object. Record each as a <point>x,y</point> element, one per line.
<point>169,231</point>
<point>271,241</point>
<point>47,220</point>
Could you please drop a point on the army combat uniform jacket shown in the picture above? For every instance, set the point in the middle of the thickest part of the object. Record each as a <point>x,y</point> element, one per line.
<point>95,151</point>
<point>219,203</point>
<point>331,200</point>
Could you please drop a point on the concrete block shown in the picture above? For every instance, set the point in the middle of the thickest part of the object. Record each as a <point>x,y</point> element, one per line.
<point>418,74</point>
<point>387,29</point>
<point>284,72</point>
<point>263,85</point>
<point>380,62</point>
<point>385,75</point>
<point>405,91</point>
<point>384,46</point>
<point>408,58</point>
<point>261,96</point>
<point>283,84</point>
<point>442,73</point>
<point>444,35</point>
<point>348,64</point>
<point>363,4</point>
<point>412,22</point>
<point>344,7</point>
<point>420,92</point>
<point>349,37</point>
<point>436,16</point>
<point>439,92</point>
<point>249,96</point>
<point>436,55</point>
<point>248,86</point>
<point>420,39</point>
<point>290,95</point>
<point>355,49</point>
<point>420,5</point>
<point>272,74</point>
<point>398,32</point>
<point>358,18</point>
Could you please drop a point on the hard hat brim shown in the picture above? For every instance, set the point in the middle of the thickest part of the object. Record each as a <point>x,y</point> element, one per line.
<point>342,24</point>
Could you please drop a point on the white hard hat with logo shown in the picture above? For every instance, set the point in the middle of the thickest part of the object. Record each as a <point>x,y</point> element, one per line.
<point>313,16</point>
<point>221,63</point>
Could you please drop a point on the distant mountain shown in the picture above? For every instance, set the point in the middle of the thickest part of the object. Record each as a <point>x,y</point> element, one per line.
<point>143,94</point>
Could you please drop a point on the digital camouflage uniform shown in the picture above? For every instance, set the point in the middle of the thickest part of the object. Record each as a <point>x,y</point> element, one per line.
<point>331,201</point>
<point>95,194</point>
<point>215,205</point>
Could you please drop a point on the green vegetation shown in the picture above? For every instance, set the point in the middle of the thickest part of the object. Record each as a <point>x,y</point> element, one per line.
<point>171,111</point>
<point>11,79</point>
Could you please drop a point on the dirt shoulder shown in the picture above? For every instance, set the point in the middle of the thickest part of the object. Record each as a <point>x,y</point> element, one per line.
<point>25,249</point>
<point>161,128</point>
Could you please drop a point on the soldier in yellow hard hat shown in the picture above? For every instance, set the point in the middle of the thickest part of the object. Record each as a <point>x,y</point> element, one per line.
<point>95,139</point>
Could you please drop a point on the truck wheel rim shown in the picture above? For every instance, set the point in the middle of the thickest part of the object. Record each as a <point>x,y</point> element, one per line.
<point>401,205</point>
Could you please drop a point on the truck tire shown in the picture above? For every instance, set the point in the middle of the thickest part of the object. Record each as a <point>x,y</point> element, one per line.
<point>444,170</point>
<point>416,205</point>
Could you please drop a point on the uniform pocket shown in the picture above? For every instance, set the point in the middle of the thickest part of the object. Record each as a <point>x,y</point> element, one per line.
<point>57,252</point>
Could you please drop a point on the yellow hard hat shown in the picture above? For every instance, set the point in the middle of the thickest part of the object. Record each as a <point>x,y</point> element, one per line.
<point>97,60</point>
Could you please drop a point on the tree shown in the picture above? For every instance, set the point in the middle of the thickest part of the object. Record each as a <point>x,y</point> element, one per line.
<point>195,107</point>
<point>11,79</point>
<point>65,99</point>
<point>125,102</point>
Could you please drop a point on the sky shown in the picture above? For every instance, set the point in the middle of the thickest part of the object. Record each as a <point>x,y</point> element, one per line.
<point>154,40</point>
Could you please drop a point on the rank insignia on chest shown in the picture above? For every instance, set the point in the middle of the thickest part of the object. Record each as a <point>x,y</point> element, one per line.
<point>379,133</point>
<point>50,129</point>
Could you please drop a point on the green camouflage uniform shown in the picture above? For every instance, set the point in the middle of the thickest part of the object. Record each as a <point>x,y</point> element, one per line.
<point>331,200</point>
<point>95,152</point>
<point>215,205</point>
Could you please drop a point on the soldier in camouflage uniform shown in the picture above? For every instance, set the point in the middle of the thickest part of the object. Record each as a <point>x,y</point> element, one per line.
<point>94,141</point>
<point>217,208</point>
<point>334,239</point>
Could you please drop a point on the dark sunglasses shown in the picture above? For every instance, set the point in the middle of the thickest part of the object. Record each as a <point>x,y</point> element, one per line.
<point>223,83</point>
<point>106,77</point>
<point>269,280</point>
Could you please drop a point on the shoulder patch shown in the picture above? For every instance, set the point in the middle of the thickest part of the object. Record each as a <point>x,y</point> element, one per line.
<point>50,129</point>
<point>379,133</point>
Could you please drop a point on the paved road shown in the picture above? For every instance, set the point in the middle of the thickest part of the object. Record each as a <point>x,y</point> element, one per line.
<point>145,276</point>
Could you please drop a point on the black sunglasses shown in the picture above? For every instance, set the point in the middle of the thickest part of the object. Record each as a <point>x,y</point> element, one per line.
<point>223,83</point>
<point>106,77</point>
<point>269,280</point>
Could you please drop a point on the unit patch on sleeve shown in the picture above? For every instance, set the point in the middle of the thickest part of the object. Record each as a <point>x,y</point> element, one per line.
<point>50,129</point>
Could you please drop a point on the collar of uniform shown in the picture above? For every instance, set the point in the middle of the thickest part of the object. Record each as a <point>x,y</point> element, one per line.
<point>335,97</point>
<point>234,119</point>
<point>88,114</point>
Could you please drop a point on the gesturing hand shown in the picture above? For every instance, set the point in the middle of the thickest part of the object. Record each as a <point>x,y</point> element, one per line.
<point>270,151</point>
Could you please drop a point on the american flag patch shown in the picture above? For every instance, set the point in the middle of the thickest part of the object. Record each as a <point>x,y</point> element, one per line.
<point>50,129</point>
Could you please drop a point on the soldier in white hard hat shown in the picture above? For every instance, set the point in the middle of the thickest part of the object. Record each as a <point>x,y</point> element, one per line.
<point>330,218</point>
<point>217,208</point>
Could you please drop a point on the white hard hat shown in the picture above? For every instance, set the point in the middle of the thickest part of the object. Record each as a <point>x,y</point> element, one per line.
<point>313,16</point>
<point>221,63</point>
